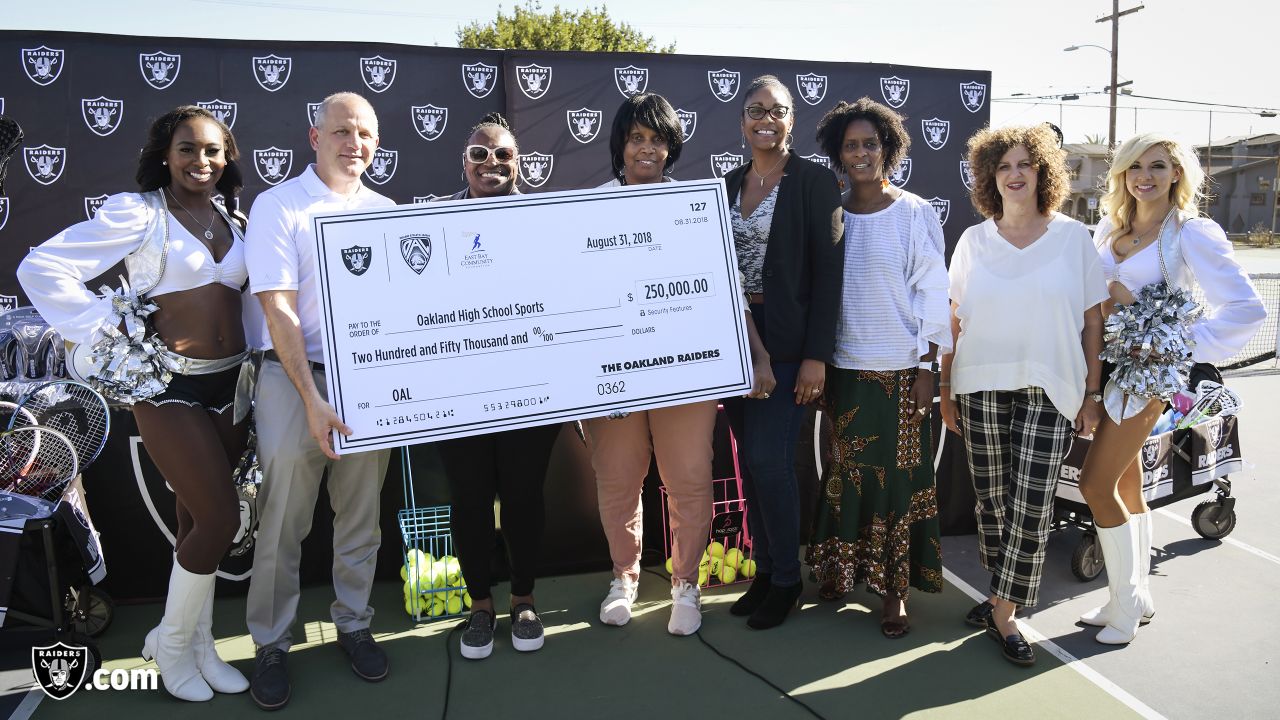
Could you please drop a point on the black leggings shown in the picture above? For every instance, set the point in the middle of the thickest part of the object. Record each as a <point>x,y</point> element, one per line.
<point>511,465</point>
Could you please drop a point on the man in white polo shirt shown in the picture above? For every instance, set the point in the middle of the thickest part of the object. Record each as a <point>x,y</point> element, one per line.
<point>294,419</point>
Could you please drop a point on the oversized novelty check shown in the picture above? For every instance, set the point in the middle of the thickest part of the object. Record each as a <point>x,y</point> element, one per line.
<point>459,318</point>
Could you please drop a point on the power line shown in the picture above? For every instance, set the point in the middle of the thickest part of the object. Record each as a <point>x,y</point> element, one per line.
<point>1056,99</point>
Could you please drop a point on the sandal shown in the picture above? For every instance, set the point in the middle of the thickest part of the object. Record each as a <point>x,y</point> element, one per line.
<point>895,626</point>
<point>828,591</point>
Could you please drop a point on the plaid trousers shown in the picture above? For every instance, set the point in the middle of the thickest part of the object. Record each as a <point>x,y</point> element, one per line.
<point>1015,441</point>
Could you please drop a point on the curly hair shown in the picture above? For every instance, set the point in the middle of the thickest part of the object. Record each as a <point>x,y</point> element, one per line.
<point>654,112</point>
<point>1186,193</point>
<point>1053,184</point>
<point>888,124</point>
<point>153,174</point>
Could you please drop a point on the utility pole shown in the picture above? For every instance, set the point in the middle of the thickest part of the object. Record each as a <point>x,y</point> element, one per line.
<point>1114,19</point>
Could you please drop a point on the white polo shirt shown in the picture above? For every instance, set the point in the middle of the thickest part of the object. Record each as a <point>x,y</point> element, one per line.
<point>280,247</point>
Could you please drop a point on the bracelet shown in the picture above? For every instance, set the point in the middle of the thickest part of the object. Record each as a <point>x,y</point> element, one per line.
<point>925,365</point>
<point>944,383</point>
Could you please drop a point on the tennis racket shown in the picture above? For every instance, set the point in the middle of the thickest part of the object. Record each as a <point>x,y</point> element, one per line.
<point>73,409</point>
<point>36,461</point>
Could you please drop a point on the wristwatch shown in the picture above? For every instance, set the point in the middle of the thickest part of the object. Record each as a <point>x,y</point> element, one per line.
<point>1094,395</point>
<point>923,365</point>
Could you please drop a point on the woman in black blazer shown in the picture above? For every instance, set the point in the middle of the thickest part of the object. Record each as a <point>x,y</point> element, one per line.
<point>788,228</point>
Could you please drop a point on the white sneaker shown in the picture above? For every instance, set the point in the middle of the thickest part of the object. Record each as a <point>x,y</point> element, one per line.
<point>616,607</point>
<point>686,609</point>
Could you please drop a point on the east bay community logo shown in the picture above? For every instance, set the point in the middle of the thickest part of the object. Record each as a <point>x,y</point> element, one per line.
<point>974,95</point>
<point>534,80</point>
<point>476,255</point>
<point>722,163</point>
<point>383,166</point>
<point>224,110</point>
<point>631,80</point>
<point>935,132</point>
<point>416,251</point>
<point>688,122</point>
<point>724,83</point>
<point>584,124</point>
<point>59,668</point>
<point>895,90</point>
<point>378,73</point>
<point>43,65</point>
<point>102,115</point>
<point>160,69</point>
<point>901,174</point>
<point>273,164</point>
<point>45,163</point>
<point>272,72</point>
<point>429,121</point>
<point>535,168</point>
<point>813,88</point>
<point>357,258</point>
<point>479,78</point>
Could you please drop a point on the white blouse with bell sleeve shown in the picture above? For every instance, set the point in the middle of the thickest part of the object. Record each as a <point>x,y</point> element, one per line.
<point>54,275</point>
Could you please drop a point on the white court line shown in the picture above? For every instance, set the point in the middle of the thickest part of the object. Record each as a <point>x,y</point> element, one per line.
<point>28,706</point>
<point>1228,540</point>
<point>1071,661</point>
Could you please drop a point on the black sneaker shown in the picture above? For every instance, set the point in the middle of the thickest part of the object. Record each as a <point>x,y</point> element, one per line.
<point>477,638</point>
<point>526,628</point>
<point>269,685</point>
<point>367,659</point>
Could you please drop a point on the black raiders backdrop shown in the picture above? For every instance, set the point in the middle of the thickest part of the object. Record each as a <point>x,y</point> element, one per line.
<point>85,102</point>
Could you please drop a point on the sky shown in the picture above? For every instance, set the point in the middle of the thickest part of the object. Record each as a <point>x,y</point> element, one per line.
<point>1220,52</point>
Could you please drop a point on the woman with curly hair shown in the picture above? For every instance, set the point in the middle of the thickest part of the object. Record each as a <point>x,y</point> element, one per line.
<point>877,520</point>
<point>1154,188</point>
<point>1026,288</point>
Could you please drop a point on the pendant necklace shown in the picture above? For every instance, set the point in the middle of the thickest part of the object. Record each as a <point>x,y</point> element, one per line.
<point>775,167</point>
<point>208,229</point>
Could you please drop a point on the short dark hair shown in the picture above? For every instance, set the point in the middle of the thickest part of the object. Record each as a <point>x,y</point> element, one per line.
<point>654,112</point>
<point>888,124</point>
<point>153,174</point>
<point>765,81</point>
<point>1053,184</point>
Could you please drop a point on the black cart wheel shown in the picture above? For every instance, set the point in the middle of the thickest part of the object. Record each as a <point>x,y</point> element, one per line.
<point>78,639</point>
<point>91,611</point>
<point>1086,561</point>
<point>1213,521</point>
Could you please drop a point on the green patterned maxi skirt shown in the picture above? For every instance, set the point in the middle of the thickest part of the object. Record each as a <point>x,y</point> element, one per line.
<point>877,519</point>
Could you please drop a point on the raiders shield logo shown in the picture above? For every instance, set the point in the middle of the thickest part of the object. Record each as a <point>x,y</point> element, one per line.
<point>479,78</point>
<point>935,132</point>
<point>8,302</point>
<point>429,120</point>
<point>423,199</point>
<point>378,73</point>
<point>818,158</point>
<point>942,207</point>
<point>43,64</point>
<point>724,83</point>
<point>91,205</point>
<point>1,106</point>
<point>59,668</point>
<point>383,166</point>
<point>416,251</point>
<point>535,168</point>
<point>901,174</point>
<point>974,96</point>
<point>357,258</point>
<point>1150,453</point>
<point>4,211</point>
<point>159,69</point>
<point>584,124</point>
<point>312,110</point>
<point>688,123</point>
<point>45,163</point>
<point>272,71</point>
<point>813,88</point>
<point>895,90</point>
<point>102,115</point>
<point>223,110</point>
<point>631,80</point>
<point>1215,433</point>
<point>273,164</point>
<point>534,80</point>
<point>966,174</point>
<point>722,163</point>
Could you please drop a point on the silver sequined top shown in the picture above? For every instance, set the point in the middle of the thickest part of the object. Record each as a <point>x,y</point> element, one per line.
<point>751,238</point>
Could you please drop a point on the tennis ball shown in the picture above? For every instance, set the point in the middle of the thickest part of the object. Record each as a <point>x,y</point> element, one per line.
<point>703,576</point>
<point>716,549</point>
<point>670,571</point>
<point>438,604</point>
<point>716,563</point>
<point>452,571</point>
<point>727,574</point>
<point>466,598</point>
<point>733,558</point>
<point>705,561</point>
<point>748,568</point>
<point>454,605</point>
<point>404,573</point>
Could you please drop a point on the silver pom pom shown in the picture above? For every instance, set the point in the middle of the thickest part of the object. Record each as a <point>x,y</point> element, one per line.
<point>135,364</point>
<point>1151,346</point>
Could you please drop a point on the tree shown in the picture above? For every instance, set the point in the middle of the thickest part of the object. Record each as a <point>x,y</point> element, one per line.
<point>529,28</point>
<point>1096,139</point>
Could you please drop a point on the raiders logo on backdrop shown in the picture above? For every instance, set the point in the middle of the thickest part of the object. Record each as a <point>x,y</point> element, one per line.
<point>357,258</point>
<point>688,122</point>
<point>59,668</point>
<point>416,251</point>
<point>429,120</point>
<point>1,106</point>
<point>935,132</point>
<point>966,174</point>
<point>159,69</point>
<point>45,163</point>
<point>378,73</point>
<point>535,168</point>
<point>942,207</point>
<point>43,64</point>
<point>102,115</point>
<point>631,80</point>
<point>1150,453</point>
<point>91,205</point>
<point>813,88</point>
<point>901,174</point>
<point>479,78</point>
<point>722,163</point>
<point>974,95</point>
<point>724,83</point>
<point>273,164</point>
<point>272,71</point>
<point>584,124</point>
<point>424,199</point>
<point>534,80</point>
<point>819,158</point>
<point>312,110</point>
<point>895,90</point>
<point>383,165</point>
<point>223,110</point>
<point>8,302</point>
<point>4,211</point>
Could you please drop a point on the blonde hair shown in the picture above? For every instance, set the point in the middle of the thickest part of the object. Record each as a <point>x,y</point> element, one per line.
<point>1185,193</point>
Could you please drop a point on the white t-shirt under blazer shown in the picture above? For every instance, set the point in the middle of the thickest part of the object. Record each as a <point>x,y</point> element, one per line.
<point>1022,311</point>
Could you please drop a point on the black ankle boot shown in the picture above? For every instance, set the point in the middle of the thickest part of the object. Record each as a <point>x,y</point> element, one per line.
<point>775,607</point>
<point>754,595</point>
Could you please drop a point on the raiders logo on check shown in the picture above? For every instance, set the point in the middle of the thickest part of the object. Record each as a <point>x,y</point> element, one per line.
<point>357,258</point>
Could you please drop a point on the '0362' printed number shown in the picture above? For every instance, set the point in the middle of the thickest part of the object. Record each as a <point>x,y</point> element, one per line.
<point>612,388</point>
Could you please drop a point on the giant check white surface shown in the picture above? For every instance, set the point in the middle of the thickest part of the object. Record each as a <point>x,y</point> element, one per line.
<point>459,318</point>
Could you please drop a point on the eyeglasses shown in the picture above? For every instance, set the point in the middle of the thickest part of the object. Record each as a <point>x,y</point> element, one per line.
<point>757,112</point>
<point>479,154</point>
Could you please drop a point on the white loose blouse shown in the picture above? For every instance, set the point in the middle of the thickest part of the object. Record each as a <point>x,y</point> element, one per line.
<point>1021,311</point>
